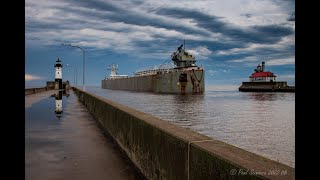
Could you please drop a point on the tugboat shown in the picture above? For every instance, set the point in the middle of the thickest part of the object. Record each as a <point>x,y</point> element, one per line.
<point>265,81</point>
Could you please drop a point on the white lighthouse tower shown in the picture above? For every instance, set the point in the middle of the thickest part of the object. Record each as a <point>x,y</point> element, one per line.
<point>58,75</point>
<point>58,99</point>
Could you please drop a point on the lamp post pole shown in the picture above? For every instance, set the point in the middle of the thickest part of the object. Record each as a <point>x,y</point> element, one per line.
<point>74,74</point>
<point>75,77</point>
<point>83,55</point>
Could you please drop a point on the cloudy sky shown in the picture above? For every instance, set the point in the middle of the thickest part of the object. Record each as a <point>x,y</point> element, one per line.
<point>228,37</point>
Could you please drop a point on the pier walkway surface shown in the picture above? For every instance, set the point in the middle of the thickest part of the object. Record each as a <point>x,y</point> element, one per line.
<point>69,147</point>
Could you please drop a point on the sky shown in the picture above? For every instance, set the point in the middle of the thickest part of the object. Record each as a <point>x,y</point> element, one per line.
<point>229,38</point>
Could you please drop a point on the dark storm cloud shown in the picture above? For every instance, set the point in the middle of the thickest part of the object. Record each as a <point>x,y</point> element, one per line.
<point>103,6</point>
<point>254,34</point>
<point>114,13</point>
<point>33,26</point>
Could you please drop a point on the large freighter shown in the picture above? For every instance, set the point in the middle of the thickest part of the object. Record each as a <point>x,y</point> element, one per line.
<point>185,78</point>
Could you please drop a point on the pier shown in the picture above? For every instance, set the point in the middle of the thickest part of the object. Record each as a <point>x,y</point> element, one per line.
<point>266,87</point>
<point>68,145</point>
<point>154,149</point>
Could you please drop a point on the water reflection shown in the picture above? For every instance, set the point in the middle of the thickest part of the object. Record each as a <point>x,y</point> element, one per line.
<point>58,101</point>
<point>54,148</point>
<point>183,109</point>
<point>262,123</point>
<point>263,96</point>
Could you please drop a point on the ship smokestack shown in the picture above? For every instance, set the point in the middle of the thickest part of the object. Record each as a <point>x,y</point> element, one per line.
<point>263,66</point>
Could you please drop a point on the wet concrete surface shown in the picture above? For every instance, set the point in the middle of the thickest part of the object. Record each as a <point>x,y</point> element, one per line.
<point>71,146</point>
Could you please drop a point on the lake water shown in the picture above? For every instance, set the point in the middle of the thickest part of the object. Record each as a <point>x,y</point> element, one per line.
<point>260,122</point>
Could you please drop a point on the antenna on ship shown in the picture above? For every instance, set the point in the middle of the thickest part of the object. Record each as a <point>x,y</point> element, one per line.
<point>113,69</point>
<point>184,44</point>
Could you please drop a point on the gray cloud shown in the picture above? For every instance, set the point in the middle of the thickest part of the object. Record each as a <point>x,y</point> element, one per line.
<point>111,13</point>
<point>292,17</point>
<point>147,30</point>
<point>254,34</point>
<point>99,5</point>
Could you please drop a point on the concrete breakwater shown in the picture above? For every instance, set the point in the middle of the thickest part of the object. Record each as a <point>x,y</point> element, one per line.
<point>50,86</point>
<point>35,90</point>
<point>162,150</point>
<point>266,87</point>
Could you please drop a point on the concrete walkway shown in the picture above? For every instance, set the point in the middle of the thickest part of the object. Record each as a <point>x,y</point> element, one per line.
<point>71,147</point>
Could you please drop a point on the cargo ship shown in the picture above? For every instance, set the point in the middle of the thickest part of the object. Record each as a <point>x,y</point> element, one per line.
<point>184,78</point>
<point>265,81</point>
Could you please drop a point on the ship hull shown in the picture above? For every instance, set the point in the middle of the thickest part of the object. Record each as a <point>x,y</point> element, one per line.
<point>178,81</point>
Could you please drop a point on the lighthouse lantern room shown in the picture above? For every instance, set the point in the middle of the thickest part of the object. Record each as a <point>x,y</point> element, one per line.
<point>58,74</point>
<point>262,76</point>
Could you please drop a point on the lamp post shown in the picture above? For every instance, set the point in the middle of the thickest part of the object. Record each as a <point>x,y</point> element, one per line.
<point>83,53</point>
<point>76,78</point>
<point>75,75</point>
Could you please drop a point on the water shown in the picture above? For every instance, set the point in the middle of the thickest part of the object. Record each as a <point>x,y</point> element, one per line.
<point>260,122</point>
<point>68,145</point>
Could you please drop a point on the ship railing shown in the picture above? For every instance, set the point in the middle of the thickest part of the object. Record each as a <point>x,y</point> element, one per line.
<point>152,71</point>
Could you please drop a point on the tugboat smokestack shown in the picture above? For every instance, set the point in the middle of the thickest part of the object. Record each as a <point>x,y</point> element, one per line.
<point>263,66</point>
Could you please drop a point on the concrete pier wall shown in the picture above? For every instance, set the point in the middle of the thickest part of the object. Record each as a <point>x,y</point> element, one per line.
<point>266,87</point>
<point>35,90</point>
<point>50,85</point>
<point>162,150</point>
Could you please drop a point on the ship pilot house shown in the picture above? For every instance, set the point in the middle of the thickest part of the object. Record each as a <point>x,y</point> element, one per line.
<point>183,59</point>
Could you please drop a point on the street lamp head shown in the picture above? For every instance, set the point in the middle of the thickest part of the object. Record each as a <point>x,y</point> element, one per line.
<point>78,46</point>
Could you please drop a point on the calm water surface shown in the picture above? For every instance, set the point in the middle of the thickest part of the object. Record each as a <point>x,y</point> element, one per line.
<point>263,123</point>
<point>69,146</point>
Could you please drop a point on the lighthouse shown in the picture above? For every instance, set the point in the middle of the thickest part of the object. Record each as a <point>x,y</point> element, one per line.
<point>262,76</point>
<point>265,81</point>
<point>58,75</point>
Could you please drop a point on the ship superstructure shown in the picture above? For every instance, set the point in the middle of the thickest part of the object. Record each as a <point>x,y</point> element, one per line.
<point>114,74</point>
<point>184,77</point>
